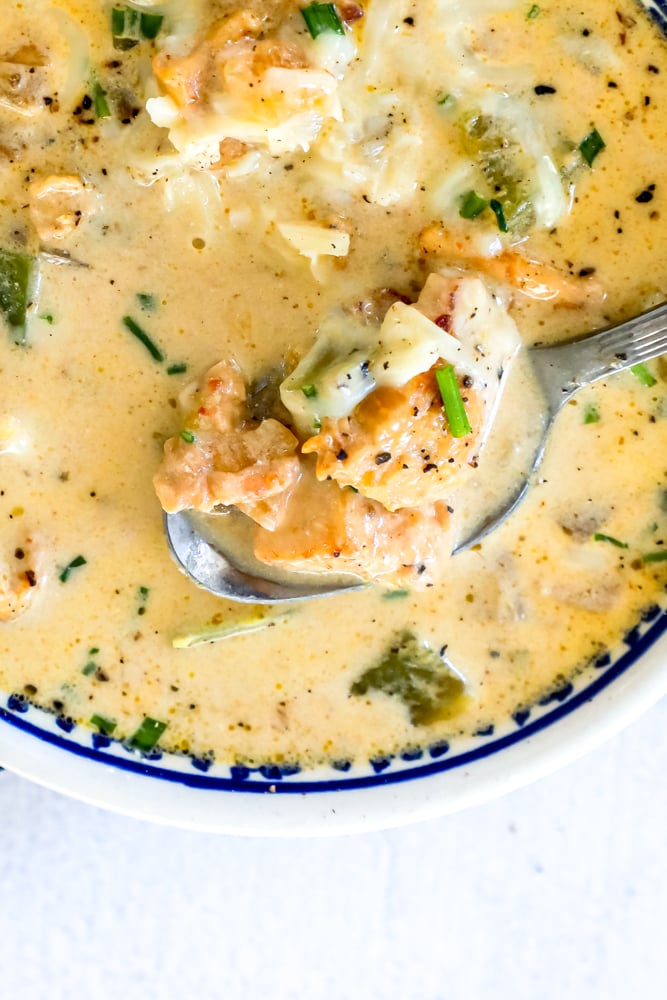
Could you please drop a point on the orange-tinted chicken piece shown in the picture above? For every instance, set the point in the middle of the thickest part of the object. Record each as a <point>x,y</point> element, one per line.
<point>224,458</point>
<point>338,530</point>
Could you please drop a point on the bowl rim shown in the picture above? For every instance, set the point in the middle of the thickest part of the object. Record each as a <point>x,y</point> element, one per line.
<point>611,700</point>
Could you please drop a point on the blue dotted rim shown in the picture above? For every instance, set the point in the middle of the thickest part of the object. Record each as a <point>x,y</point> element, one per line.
<point>638,645</point>
<point>273,783</point>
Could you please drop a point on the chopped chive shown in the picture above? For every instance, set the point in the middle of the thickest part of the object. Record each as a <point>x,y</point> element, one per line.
<point>105,726</point>
<point>93,651</point>
<point>641,372</point>
<point>16,273</point>
<point>89,669</point>
<point>394,595</point>
<point>445,99</point>
<point>188,436</point>
<point>653,557</point>
<point>309,391</point>
<point>472,205</point>
<point>147,301</point>
<point>317,424</point>
<point>533,12</point>
<point>48,318</point>
<point>591,414</point>
<point>591,145</point>
<point>499,213</point>
<point>147,735</point>
<point>599,537</point>
<point>455,410</point>
<point>74,564</point>
<point>177,369</point>
<point>100,103</point>
<point>129,26</point>
<point>150,25</point>
<point>143,593</point>
<point>322,17</point>
<point>141,335</point>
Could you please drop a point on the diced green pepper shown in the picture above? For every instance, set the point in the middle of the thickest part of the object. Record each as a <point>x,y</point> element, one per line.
<point>416,675</point>
<point>147,735</point>
<point>16,274</point>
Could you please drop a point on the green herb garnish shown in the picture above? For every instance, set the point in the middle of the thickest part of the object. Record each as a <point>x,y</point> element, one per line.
<point>89,669</point>
<point>147,735</point>
<point>599,537</point>
<point>322,17</point>
<point>641,372</point>
<point>16,273</point>
<point>141,335</point>
<point>47,318</point>
<point>472,205</point>
<point>177,369</point>
<point>394,595</point>
<point>309,391</point>
<point>455,410</point>
<point>591,145</point>
<point>130,26</point>
<point>188,436</point>
<point>654,557</point>
<point>100,103</point>
<point>415,674</point>
<point>105,726</point>
<point>591,414</point>
<point>74,564</point>
<point>499,213</point>
<point>533,12</point>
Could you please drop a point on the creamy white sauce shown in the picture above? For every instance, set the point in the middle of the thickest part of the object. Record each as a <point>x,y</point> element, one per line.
<point>85,409</point>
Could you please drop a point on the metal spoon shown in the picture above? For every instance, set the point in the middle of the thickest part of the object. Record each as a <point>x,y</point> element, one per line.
<point>560,370</point>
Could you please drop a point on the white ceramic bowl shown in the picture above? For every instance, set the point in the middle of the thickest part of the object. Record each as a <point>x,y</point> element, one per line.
<point>443,778</point>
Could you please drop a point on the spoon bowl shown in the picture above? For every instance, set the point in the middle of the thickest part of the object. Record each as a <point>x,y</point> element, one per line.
<point>229,569</point>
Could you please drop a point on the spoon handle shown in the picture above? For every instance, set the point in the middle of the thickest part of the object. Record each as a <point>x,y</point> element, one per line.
<point>563,369</point>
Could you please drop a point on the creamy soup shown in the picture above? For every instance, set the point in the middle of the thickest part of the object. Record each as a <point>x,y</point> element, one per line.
<point>272,188</point>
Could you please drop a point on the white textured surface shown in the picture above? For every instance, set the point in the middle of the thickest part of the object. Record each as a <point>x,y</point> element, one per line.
<point>557,891</point>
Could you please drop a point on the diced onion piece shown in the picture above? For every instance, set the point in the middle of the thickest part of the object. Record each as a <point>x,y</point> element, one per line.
<point>313,241</point>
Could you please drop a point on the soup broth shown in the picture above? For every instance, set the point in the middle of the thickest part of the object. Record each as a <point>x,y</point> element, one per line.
<point>151,260</point>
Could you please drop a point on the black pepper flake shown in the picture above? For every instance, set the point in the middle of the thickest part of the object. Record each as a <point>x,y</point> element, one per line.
<point>544,88</point>
<point>87,103</point>
<point>336,553</point>
<point>467,381</point>
<point>585,272</point>
<point>645,196</point>
<point>382,457</point>
<point>409,20</point>
<point>31,578</point>
<point>19,554</point>
<point>652,69</point>
<point>430,467</point>
<point>342,455</point>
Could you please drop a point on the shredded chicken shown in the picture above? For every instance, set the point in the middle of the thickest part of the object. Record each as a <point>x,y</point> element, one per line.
<point>338,530</point>
<point>223,457</point>
<point>531,278</point>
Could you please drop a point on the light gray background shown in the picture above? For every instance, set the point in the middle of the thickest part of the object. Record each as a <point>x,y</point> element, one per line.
<point>556,891</point>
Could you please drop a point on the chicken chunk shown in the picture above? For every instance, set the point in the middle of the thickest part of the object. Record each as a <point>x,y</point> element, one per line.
<point>327,528</point>
<point>396,446</point>
<point>532,278</point>
<point>241,83</point>
<point>224,458</point>
<point>58,206</point>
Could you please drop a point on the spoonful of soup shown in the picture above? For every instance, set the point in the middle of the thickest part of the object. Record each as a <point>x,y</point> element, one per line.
<point>261,513</point>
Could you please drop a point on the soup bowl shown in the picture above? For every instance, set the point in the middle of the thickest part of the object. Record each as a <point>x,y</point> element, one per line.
<point>437,778</point>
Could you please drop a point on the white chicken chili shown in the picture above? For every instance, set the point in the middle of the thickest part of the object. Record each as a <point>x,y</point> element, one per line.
<point>281,258</point>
